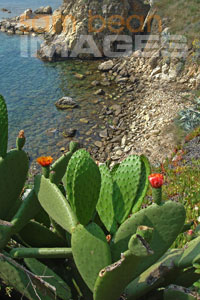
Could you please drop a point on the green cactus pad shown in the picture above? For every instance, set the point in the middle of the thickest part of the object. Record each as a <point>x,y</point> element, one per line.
<point>54,203</point>
<point>3,127</point>
<point>191,255</point>
<point>143,185</point>
<point>91,252</point>
<point>69,175</point>
<point>18,277</point>
<point>126,182</point>
<point>174,292</point>
<point>41,252</point>
<point>62,289</point>
<point>154,276</point>
<point>60,165</point>
<point>122,271</point>
<point>83,185</point>
<point>105,203</point>
<point>37,235</point>
<point>167,221</point>
<point>13,173</point>
<point>29,208</point>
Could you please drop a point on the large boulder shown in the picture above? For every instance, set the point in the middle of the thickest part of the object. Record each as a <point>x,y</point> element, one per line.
<point>87,24</point>
<point>44,10</point>
<point>66,103</point>
<point>27,14</point>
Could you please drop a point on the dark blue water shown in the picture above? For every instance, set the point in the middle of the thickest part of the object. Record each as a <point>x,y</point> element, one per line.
<point>31,88</point>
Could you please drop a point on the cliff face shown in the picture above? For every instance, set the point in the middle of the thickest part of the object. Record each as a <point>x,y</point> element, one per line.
<point>91,28</point>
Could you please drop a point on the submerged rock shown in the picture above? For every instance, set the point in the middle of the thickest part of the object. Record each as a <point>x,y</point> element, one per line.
<point>66,103</point>
<point>5,10</point>
<point>69,132</point>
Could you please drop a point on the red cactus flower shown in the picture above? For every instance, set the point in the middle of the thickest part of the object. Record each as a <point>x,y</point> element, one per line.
<point>21,134</point>
<point>190,232</point>
<point>156,180</point>
<point>108,238</point>
<point>44,161</point>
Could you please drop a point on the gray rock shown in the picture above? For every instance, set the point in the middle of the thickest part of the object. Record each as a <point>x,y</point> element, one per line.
<point>153,62</point>
<point>5,10</point>
<point>79,9</point>
<point>95,83</point>
<point>44,10</point>
<point>66,103</point>
<point>98,144</point>
<point>69,132</point>
<point>99,92</point>
<point>84,120</point>
<point>106,66</point>
<point>103,133</point>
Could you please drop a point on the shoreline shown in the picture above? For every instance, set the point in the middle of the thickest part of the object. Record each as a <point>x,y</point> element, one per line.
<point>151,92</point>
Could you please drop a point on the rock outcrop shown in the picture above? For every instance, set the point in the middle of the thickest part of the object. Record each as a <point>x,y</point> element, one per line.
<point>92,28</point>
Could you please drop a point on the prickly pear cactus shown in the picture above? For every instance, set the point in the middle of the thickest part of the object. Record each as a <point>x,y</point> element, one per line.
<point>174,292</point>
<point>126,182</point>
<point>22,280</point>
<point>122,188</point>
<point>167,221</point>
<point>62,289</point>
<point>37,235</point>
<point>91,251</point>
<point>3,127</point>
<point>58,169</point>
<point>105,203</point>
<point>13,173</point>
<point>54,203</point>
<point>122,271</point>
<point>83,185</point>
<point>143,184</point>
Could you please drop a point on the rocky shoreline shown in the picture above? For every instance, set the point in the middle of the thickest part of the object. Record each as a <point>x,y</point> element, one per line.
<point>143,122</point>
<point>150,91</point>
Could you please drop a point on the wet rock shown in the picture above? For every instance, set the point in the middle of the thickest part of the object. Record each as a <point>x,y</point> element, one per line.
<point>44,10</point>
<point>83,120</point>
<point>66,103</point>
<point>105,83</point>
<point>99,92</point>
<point>79,76</point>
<point>106,66</point>
<point>69,132</point>
<point>95,83</point>
<point>6,10</point>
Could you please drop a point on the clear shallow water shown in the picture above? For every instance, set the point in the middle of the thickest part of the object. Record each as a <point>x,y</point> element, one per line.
<point>31,88</point>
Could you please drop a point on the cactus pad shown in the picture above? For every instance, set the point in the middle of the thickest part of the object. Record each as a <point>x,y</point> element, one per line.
<point>54,203</point>
<point>37,235</point>
<point>83,185</point>
<point>3,127</point>
<point>38,268</point>
<point>105,203</point>
<point>167,221</point>
<point>91,252</point>
<point>13,173</point>
<point>126,182</point>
